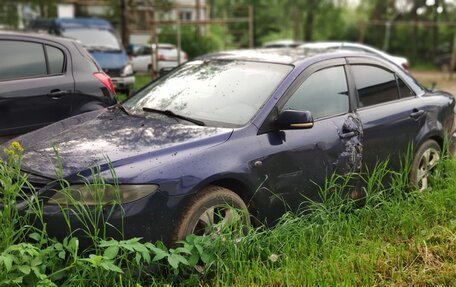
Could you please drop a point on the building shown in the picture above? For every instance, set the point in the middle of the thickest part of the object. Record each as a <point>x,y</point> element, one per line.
<point>141,13</point>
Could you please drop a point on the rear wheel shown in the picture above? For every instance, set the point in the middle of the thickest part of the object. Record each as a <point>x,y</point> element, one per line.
<point>424,161</point>
<point>211,210</point>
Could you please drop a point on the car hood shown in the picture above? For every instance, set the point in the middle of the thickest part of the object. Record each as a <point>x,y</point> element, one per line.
<point>110,59</point>
<point>105,136</point>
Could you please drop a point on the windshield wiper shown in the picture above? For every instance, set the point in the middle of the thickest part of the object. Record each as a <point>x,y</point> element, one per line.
<point>172,114</point>
<point>120,106</point>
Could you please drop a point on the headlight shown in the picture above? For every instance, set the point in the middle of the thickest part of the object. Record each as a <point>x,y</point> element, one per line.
<point>127,70</point>
<point>101,194</point>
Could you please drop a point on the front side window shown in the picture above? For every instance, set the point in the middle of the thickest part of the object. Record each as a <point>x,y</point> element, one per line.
<point>229,92</point>
<point>21,60</point>
<point>324,93</point>
<point>374,85</point>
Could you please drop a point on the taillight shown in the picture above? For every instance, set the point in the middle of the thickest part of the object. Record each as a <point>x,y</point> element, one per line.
<point>161,57</point>
<point>105,80</point>
<point>185,56</point>
<point>405,66</point>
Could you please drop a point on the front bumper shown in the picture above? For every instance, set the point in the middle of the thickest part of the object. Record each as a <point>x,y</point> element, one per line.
<point>123,83</point>
<point>152,218</point>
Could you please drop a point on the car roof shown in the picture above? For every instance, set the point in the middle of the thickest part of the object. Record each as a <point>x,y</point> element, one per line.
<point>284,42</point>
<point>339,45</point>
<point>82,23</point>
<point>35,36</point>
<point>280,55</point>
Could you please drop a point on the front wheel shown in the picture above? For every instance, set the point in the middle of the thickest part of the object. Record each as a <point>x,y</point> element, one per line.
<point>424,161</point>
<point>211,210</point>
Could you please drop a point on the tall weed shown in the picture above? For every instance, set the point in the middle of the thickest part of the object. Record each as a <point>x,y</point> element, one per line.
<point>368,229</point>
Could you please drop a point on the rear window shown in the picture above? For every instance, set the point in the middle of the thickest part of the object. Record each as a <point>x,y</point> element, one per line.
<point>21,60</point>
<point>93,38</point>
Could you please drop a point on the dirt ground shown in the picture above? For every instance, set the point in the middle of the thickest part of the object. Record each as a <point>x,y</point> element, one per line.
<point>441,79</point>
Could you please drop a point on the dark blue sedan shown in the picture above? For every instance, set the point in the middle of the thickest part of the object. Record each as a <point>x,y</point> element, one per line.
<point>255,130</point>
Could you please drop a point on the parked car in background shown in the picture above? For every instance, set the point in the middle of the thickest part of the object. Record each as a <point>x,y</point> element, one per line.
<point>167,57</point>
<point>400,61</point>
<point>259,131</point>
<point>44,79</point>
<point>97,36</point>
<point>282,44</point>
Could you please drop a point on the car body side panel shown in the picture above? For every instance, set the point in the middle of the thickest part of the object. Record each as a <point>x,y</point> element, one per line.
<point>389,130</point>
<point>27,103</point>
<point>439,123</point>
<point>296,163</point>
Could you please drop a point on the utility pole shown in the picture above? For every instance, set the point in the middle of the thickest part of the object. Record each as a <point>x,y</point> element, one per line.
<point>198,18</point>
<point>124,23</point>
<point>453,57</point>
<point>251,30</point>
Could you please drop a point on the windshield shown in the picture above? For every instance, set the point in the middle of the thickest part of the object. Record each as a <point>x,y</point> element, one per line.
<point>218,91</point>
<point>93,38</point>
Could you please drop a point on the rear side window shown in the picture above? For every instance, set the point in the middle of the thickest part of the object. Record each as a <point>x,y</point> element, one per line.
<point>21,60</point>
<point>56,60</point>
<point>375,85</point>
<point>324,93</point>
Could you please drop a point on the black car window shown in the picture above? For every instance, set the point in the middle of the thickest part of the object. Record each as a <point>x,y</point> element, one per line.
<point>324,93</point>
<point>56,60</point>
<point>404,90</point>
<point>21,59</point>
<point>375,85</point>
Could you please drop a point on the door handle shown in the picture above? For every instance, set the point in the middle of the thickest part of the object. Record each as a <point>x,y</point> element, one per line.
<point>416,114</point>
<point>347,135</point>
<point>56,94</point>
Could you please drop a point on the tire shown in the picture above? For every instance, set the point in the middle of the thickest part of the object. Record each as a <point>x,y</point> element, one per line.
<point>424,161</point>
<point>212,205</point>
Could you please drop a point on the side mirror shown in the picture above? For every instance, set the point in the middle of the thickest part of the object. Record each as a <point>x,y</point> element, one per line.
<point>129,50</point>
<point>294,120</point>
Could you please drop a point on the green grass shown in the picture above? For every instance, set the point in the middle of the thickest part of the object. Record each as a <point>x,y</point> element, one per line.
<point>140,81</point>
<point>397,238</point>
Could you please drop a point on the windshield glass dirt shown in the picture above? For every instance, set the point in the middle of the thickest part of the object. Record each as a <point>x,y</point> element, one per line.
<point>220,91</point>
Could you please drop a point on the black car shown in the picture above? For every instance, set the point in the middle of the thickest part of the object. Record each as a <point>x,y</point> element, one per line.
<point>44,79</point>
<point>257,130</point>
